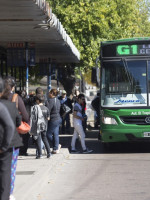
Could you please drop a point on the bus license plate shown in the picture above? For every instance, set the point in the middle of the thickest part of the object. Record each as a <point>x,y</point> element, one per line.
<point>146,134</point>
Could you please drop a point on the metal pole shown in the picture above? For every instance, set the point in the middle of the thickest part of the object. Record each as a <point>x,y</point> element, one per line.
<point>1,68</point>
<point>57,78</point>
<point>57,84</point>
<point>80,89</point>
<point>49,85</point>
<point>49,76</point>
<point>20,76</point>
<point>6,67</point>
<point>27,68</point>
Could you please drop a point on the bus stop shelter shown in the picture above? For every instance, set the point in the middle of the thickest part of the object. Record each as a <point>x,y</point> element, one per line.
<point>31,25</point>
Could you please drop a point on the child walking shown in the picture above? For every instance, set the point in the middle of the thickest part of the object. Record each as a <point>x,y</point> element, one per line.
<point>39,119</point>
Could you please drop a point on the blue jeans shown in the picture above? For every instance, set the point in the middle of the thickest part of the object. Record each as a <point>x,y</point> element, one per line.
<point>53,132</point>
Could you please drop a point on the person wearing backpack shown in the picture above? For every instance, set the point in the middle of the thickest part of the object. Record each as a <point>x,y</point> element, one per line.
<point>39,119</point>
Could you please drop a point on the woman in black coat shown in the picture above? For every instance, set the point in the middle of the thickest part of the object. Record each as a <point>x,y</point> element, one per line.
<point>10,88</point>
<point>16,117</point>
<point>17,140</point>
<point>6,133</point>
<point>7,130</point>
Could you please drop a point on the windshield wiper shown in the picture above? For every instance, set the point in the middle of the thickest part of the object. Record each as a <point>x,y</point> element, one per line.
<point>127,72</point>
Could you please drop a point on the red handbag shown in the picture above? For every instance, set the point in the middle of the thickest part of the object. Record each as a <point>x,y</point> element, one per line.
<point>24,127</point>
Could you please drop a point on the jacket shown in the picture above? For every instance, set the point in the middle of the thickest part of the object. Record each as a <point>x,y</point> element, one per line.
<point>54,108</point>
<point>66,101</point>
<point>38,120</point>
<point>7,128</point>
<point>16,117</point>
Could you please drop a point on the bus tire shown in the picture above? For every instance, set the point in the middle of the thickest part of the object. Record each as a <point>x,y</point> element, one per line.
<point>99,136</point>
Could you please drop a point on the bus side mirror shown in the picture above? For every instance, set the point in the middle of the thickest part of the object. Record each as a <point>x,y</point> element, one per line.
<point>95,76</point>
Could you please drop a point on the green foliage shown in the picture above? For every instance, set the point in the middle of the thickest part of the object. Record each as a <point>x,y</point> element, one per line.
<point>88,22</point>
<point>68,80</point>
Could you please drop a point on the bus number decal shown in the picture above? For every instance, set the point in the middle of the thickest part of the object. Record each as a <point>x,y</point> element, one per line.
<point>127,50</point>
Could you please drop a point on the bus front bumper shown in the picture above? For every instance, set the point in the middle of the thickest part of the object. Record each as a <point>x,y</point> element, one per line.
<point>135,135</point>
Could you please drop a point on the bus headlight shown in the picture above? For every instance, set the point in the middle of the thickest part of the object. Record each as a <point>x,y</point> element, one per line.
<point>109,120</point>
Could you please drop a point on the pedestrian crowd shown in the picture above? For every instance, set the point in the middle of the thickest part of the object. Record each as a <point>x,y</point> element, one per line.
<point>43,117</point>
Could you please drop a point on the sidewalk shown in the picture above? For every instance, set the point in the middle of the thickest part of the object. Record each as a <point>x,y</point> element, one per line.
<point>32,174</point>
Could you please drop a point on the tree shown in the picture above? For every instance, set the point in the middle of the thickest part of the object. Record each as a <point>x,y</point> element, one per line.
<point>88,22</point>
<point>67,78</point>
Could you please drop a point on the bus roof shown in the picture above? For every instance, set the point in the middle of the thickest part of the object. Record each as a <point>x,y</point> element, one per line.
<point>125,40</point>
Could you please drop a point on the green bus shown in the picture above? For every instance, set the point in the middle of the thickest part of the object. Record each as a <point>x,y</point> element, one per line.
<point>125,90</point>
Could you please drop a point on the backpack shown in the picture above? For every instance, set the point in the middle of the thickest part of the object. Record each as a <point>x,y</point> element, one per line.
<point>64,109</point>
<point>37,121</point>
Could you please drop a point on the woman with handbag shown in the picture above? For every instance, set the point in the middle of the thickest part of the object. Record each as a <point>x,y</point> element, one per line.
<point>25,137</point>
<point>9,87</point>
<point>7,130</point>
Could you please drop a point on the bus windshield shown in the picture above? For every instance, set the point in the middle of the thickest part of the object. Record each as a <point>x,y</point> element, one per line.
<point>124,83</point>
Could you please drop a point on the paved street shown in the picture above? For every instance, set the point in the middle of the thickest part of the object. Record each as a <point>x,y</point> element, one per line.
<point>102,175</point>
<point>106,177</point>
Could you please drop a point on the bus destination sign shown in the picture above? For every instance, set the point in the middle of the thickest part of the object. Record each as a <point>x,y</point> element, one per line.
<point>131,50</point>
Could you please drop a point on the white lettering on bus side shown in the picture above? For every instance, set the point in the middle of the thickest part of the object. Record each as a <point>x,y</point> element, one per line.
<point>140,113</point>
<point>144,51</point>
<point>127,101</point>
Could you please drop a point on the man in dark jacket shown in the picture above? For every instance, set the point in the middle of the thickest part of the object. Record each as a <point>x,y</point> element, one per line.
<point>7,130</point>
<point>66,120</point>
<point>96,106</point>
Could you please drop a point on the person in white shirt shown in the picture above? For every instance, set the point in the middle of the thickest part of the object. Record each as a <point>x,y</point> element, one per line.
<point>78,128</point>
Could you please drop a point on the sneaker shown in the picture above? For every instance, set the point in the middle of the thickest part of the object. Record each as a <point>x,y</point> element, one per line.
<point>39,157</point>
<point>75,151</point>
<point>57,151</point>
<point>59,147</point>
<point>87,151</point>
<point>48,155</point>
<point>11,197</point>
